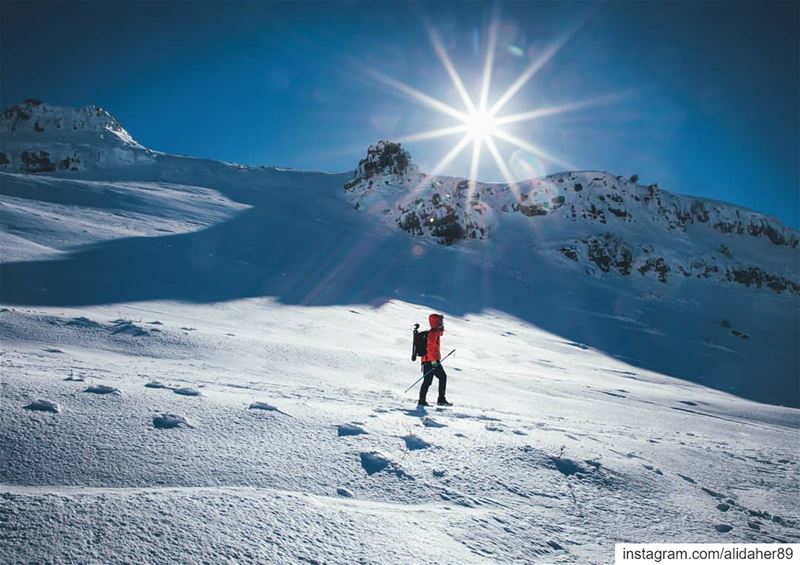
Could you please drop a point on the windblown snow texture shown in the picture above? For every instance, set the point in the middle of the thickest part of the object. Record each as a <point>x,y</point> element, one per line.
<point>205,362</point>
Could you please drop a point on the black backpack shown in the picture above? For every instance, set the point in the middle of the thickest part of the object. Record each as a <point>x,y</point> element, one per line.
<point>420,343</point>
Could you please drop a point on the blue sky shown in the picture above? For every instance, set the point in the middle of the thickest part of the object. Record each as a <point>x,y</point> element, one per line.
<point>701,97</point>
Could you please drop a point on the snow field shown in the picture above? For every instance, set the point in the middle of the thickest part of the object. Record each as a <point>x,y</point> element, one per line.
<point>552,460</point>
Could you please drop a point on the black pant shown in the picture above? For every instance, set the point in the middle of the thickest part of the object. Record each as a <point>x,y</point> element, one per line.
<point>438,372</point>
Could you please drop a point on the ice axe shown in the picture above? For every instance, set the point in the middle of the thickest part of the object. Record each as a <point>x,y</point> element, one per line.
<point>426,374</point>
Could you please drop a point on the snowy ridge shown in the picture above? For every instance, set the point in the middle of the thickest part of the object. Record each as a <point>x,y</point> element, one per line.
<point>600,221</point>
<point>42,138</point>
<point>34,115</point>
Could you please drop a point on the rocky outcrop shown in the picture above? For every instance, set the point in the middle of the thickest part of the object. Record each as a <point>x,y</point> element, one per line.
<point>621,214</point>
<point>383,159</point>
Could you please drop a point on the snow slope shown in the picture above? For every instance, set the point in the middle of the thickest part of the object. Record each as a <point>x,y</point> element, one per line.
<point>205,362</point>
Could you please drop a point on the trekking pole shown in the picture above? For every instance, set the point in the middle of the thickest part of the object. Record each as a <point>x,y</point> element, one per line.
<point>426,374</point>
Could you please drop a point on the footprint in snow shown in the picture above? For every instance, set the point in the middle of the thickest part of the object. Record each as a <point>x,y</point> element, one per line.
<point>170,421</point>
<point>723,528</point>
<point>102,389</point>
<point>75,379</point>
<point>155,384</point>
<point>41,405</point>
<point>349,430</point>
<point>415,442</point>
<point>53,350</point>
<point>186,391</point>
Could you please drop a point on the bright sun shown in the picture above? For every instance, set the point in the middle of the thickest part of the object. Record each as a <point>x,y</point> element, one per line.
<point>479,123</point>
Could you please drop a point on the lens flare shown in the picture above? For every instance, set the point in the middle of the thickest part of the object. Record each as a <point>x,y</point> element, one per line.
<point>523,165</point>
<point>480,123</point>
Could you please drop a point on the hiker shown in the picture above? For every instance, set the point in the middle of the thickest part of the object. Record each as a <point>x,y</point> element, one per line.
<point>431,366</point>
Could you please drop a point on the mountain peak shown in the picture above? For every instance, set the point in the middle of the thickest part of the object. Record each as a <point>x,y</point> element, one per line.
<point>39,117</point>
<point>43,138</point>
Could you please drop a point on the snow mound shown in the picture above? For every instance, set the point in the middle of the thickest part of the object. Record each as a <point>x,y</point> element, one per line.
<point>186,391</point>
<point>415,442</point>
<point>102,389</point>
<point>429,422</point>
<point>375,462</point>
<point>155,384</point>
<point>42,405</point>
<point>169,421</point>
<point>267,407</point>
<point>589,470</point>
<point>127,327</point>
<point>349,430</point>
<point>263,406</point>
<point>81,322</point>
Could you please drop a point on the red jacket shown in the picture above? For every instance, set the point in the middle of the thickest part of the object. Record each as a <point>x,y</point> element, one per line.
<point>432,352</point>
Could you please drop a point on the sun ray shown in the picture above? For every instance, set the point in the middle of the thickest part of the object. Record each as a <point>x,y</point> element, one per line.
<point>487,68</point>
<point>452,154</point>
<point>531,148</point>
<point>560,109</point>
<point>443,162</point>
<point>414,93</point>
<point>501,164</point>
<point>433,134</point>
<point>524,77</point>
<point>473,169</point>
<point>451,70</point>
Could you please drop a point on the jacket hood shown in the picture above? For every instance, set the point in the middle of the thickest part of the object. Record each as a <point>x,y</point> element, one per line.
<point>435,320</point>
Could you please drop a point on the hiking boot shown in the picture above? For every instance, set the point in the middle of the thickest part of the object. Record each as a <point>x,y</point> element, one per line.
<point>443,402</point>
<point>422,403</point>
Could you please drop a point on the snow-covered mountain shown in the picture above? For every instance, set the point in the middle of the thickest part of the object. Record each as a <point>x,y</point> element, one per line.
<point>603,223</point>
<point>40,138</point>
<point>212,358</point>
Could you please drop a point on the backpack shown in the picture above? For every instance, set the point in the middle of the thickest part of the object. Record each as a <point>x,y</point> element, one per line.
<point>420,345</point>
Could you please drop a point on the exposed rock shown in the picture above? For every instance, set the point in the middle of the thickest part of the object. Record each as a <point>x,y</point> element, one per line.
<point>37,162</point>
<point>384,158</point>
<point>659,265</point>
